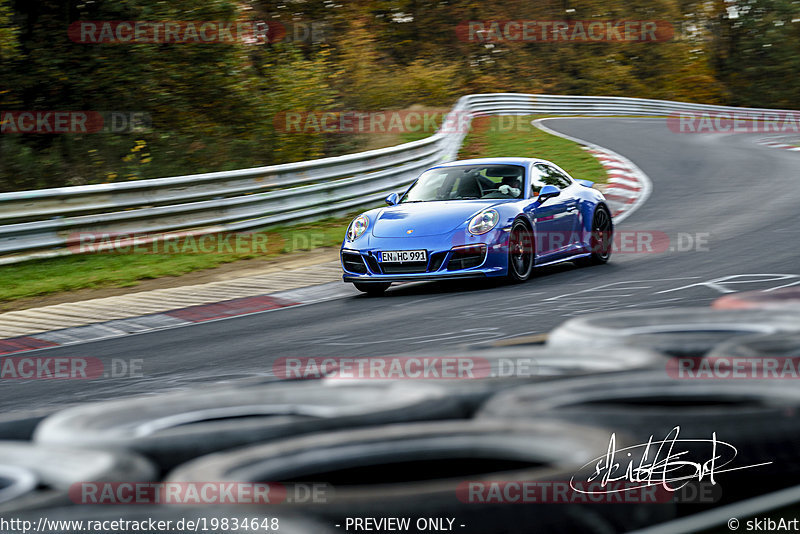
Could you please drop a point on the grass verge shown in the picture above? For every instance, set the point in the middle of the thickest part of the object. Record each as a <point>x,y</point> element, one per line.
<point>96,270</point>
<point>515,136</point>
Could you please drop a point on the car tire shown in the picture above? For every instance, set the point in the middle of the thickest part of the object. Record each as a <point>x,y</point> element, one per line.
<point>56,469</point>
<point>373,289</point>
<point>673,331</point>
<point>520,262</point>
<point>173,428</point>
<point>759,419</point>
<point>424,470</point>
<point>601,239</point>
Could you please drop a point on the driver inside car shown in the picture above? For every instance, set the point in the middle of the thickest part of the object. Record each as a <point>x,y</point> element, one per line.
<point>510,186</point>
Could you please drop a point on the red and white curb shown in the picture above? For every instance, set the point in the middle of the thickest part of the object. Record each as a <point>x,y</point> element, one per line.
<point>175,318</point>
<point>624,185</point>
<point>774,142</point>
<point>628,186</point>
<point>134,313</point>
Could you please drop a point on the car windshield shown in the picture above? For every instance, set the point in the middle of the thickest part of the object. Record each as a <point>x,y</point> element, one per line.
<point>467,182</point>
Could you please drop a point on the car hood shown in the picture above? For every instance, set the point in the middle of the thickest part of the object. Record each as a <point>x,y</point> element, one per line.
<point>421,219</point>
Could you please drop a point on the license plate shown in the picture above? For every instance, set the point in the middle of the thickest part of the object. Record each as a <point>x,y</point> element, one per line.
<point>400,256</point>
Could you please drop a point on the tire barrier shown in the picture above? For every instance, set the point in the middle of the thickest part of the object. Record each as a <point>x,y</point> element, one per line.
<point>173,428</point>
<point>781,299</point>
<point>15,482</point>
<point>673,331</point>
<point>759,420</point>
<point>35,476</point>
<point>759,510</point>
<point>760,346</point>
<point>437,469</point>
<point>20,425</point>
<point>479,374</point>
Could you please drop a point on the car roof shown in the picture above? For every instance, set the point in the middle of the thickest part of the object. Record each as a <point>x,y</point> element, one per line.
<point>492,161</point>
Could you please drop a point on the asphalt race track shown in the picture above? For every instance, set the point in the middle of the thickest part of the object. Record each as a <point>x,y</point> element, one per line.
<point>738,197</point>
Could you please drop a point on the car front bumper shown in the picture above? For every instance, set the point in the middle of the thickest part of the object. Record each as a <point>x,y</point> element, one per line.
<point>446,260</point>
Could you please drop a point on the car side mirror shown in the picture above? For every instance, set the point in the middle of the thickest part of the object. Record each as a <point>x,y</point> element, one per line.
<point>548,191</point>
<point>392,199</point>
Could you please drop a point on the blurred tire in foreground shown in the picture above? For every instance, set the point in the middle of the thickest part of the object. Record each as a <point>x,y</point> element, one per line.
<point>758,418</point>
<point>174,428</point>
<point>673,331</point>
<point>759,346</point>
<point>33,476</point>
<point>782,299</point>
<point>777,506</point>
<point>489,371</point>
<point>438,469</point>
<point>20,425</point>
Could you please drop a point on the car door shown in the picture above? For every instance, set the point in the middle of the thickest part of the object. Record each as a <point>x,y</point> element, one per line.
<point>555,219</point>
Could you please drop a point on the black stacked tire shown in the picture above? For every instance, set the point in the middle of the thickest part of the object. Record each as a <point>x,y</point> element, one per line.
<point>173,428</point>
<point>482,373</point>
<point>20,425</point>
<point>36,476</point>
<point>759,418</point>
<point>760,346</point>
<point>437,469</point>
<point>673,331</point>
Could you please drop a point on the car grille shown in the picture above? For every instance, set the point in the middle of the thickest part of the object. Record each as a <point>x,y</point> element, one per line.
<point>437,258</point>
<point>373,264</point>
<point>467,257</point>
<point>404,268</point>
<point>353,263</point>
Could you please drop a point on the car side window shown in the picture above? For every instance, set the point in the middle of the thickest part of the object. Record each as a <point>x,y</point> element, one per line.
<point>537,180</point>
<point>551,176</point>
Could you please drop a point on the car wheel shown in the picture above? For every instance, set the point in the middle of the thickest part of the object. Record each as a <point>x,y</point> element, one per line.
<point>372,288</point>
<point>520,252</point>
<point>602,238</point>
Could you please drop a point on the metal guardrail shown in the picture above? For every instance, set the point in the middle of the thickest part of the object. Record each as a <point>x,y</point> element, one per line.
<point>42,223</point>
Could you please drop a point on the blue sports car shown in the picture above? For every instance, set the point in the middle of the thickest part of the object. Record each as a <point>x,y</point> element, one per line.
<point>492,217</point>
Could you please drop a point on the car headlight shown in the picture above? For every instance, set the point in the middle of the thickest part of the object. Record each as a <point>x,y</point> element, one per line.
<point>483,222</point>
<point>357,227</point>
